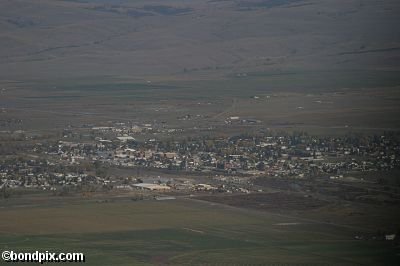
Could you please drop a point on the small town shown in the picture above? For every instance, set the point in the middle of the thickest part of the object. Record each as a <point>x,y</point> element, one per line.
<point>226,164</point>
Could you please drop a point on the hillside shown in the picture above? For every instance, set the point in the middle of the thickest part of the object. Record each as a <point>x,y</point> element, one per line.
<point>186,40</point>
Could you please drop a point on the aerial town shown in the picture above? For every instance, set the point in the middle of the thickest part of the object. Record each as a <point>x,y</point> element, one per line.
<point>206,132</point>
<point>226,164</point>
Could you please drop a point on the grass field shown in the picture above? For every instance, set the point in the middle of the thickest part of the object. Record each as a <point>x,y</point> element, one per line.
<point>76,62</point>
<point>323,110</point>
<point>182,232</point>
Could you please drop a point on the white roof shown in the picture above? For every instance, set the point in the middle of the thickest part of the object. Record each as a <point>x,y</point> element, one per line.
<point>151,186</point>
<point>124,138</point>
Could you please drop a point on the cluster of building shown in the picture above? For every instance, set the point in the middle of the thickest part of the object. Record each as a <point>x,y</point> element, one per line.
<point>289,155</point>
<point>43,174</point>
<point>68,162</point>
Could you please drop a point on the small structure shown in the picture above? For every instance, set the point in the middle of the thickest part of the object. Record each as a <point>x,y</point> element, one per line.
<point>204,187</point>
<point>390,237</point>
<point>149,186</point>
<point>125,138</point>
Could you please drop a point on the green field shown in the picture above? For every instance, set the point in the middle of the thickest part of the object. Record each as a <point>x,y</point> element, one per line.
<point>182,232</point>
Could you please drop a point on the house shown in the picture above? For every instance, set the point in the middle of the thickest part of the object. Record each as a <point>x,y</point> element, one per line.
<point>204,187</point>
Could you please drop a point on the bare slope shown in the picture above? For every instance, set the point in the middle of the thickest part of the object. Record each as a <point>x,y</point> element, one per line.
<point>50,39</point>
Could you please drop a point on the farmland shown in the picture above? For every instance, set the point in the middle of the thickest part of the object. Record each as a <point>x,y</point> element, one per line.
<point>182,232</point>
<point>39,106</point>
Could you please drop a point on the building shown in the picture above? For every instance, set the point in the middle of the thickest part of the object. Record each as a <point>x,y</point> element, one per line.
<point>149,186</point>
